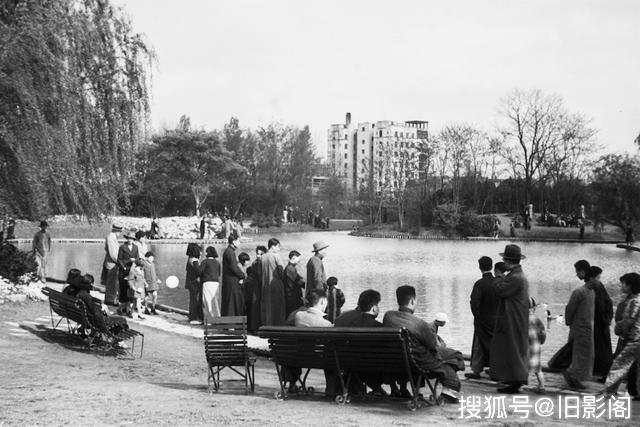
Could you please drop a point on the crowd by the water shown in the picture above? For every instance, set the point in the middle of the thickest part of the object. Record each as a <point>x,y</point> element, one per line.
<point>507,339</point>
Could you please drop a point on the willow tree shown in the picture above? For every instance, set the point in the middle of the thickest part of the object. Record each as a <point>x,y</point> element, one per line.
<point>74,91</point>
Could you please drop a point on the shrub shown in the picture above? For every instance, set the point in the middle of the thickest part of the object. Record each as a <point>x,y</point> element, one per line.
<point>264,221</point>
<point>15,263</point>
<point>472,224</point>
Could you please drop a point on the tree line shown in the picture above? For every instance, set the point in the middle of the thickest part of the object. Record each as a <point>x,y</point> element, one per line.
<point>74,110</point>
<point>539,152</point>
<point>191,171</point>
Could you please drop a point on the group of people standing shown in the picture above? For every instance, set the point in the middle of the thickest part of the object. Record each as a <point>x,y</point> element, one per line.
<point>128,273</point>
<point>508,335</point>
<point>588,352</point>
<point>266,290</point>
<point>500,306</point>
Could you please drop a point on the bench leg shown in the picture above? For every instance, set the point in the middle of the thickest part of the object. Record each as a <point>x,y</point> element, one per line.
<point>141,345</point>
<point>282,394</point>
<point>54,325</point>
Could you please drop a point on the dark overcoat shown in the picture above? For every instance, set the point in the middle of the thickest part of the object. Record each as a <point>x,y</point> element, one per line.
<point>252,294</point>
<point>601,330</point>
<point>232,301</point>
<point>510,345</point>
<point>484,305</point>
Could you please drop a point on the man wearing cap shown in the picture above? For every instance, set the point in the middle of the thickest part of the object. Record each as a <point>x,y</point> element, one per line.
<point>484,303</point>
<point>510,345</point>
<point>316,277</point>
<point>109,276</point>
<point>41,247</point>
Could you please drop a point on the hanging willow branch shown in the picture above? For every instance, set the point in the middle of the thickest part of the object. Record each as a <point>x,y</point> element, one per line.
<point>74,105</point>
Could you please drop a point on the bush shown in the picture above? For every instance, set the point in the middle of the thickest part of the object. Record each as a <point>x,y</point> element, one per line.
<point>15,263</point>
<point>467,223</point>
<point>472,224</point>
<point>445,216</point>
<point>265,221</point>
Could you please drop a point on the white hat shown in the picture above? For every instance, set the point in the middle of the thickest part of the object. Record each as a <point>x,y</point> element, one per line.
<point>442,317</point>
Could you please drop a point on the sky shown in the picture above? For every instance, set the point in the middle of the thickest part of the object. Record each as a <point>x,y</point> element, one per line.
<point>308,62</point>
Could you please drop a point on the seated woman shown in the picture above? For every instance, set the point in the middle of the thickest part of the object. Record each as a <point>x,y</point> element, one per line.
<point>79,287</point>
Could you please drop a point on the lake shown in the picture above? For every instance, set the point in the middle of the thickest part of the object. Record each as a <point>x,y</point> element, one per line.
<point>443,272</point>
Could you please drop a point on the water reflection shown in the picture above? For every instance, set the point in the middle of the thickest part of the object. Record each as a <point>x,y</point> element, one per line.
<point>443,272</point>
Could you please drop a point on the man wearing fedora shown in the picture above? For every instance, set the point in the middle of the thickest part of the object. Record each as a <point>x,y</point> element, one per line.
<point>510,344</point>
<point>316,277</point>
<point>41,247</point>
<point>127,255</point>
<point>109,276</point>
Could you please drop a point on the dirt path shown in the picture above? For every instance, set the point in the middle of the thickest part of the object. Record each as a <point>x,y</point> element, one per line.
<point>52,380</point>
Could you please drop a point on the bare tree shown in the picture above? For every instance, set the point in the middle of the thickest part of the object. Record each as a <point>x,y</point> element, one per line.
<point>533,126</point>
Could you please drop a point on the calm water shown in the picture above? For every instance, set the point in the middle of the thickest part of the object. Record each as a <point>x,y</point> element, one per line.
<point>443,272</point>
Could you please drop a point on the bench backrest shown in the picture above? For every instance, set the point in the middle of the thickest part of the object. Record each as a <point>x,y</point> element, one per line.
<point>66,306</point>
<point>350,349</point>
<point>225,341</point>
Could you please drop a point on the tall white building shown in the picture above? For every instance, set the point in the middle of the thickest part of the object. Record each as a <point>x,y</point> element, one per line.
<point>361,153</point>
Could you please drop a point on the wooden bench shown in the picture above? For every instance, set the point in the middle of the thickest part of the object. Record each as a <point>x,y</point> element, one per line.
<point>73,310</point>
<point>225,346</point>
<point>350,352</point>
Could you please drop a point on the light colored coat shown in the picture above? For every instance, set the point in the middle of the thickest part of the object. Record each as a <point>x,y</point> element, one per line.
<point>311,317</point>
<point>111,247</point>
<point>316,277</point>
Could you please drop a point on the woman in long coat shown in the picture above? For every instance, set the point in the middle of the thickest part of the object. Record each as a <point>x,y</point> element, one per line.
<point>601,328</point>
<point>510,345</point>
<point>193,284</point>
<point>578,316</point>
<point>232,295</point>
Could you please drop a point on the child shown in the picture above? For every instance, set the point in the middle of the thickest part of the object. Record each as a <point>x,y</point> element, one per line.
<point>499,269</point>
<point>151,278</point>
<point>336,299</point>
<point>537,337</point>
<point>136,288</point>
<point>293,284</point>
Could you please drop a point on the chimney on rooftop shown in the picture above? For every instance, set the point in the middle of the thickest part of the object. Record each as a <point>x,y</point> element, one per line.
<point>348,119</point>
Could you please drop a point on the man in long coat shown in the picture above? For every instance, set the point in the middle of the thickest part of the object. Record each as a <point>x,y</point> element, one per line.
<point>484,303</point>
<point>510,345</point>
<point>272,307</point>
<point>253,291</point>
<point>232,300</point>
<point>109,277</point>
<point>316,277</point>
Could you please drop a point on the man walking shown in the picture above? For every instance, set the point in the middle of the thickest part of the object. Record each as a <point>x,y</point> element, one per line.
<point>509,352</point>
<point>316,277</point>
<point>484,303</point>
<point>41,247</point>
<point>109,276</point>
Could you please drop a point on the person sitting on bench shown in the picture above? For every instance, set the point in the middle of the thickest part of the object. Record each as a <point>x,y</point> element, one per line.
<point>79,287</point>
<point>429,353</point>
